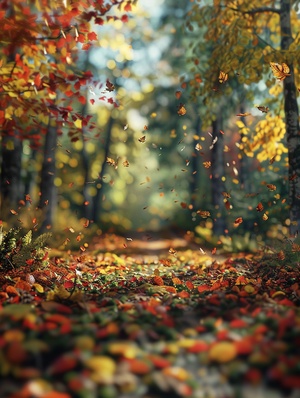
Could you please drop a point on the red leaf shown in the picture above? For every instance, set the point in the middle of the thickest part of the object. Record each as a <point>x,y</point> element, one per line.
<point>92,101</point>
<point>127,7</point>
<point>86,46</point>
<point>69,93</point>
<point>199,346</point>
<point>238,323</point>
<point>92,36</point>
<point>287,302</point>
<point>184,294</point>
<point>124,18</point>
<point>69,284</point>
<point>189,285</point>
<point>244,346</point>
<point>82,99</point>
<point>203,288</point>
<point>159,362</point>
<point>253,375</point>
<point>63,364</point>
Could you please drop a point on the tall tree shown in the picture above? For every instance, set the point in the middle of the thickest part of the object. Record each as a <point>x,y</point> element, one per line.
<point>39,42</point>
<point>248,37</point>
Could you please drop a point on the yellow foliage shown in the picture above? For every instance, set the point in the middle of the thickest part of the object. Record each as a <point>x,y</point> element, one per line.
<point>266,139</point>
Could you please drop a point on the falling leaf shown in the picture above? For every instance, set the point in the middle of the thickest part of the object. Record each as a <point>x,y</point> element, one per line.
<point>178,94</point>
<point>263,109</point>
<point>110,161</point>
<point>259,207</point>
<point>172,251</point>
<point>223,77</point>
<point>271,187</point>
<point>280,71</point>
<point>265,217</point>
<point>126,163</point>
<point>203,213</point>
<point>13,212</point>
<point>207,164</point>
<point>243,114</point>
<point>238,221</point>
<point>142,139</point>
<point>272,160</point>
<point>109,86</point>
<point>181,110</point>
<point>198,147</point>
<point>226,195</point>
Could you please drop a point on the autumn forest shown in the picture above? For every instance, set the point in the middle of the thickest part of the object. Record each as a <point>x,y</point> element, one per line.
<point>149,199</point>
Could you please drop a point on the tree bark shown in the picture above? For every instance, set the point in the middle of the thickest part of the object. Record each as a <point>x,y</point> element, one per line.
<point>98,197</point>
<point>10,174</point>
<point>292,121</point>
<point>47,187</point>
<point>217,172</point>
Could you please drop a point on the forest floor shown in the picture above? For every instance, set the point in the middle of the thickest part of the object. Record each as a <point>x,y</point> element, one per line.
<point>152,317</point>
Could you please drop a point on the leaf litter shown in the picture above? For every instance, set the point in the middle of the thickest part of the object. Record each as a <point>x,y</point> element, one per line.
<point>180,323</point>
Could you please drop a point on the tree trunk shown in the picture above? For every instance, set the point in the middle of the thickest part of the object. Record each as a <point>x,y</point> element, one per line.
<point>98,197</point>
<point>10,174</point>
<point>292,121</point>
<point>217,172</point>
<point>47,187</point>
<point>195,166</point>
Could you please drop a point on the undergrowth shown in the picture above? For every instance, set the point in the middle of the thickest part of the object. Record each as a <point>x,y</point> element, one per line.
<point>17,250</point>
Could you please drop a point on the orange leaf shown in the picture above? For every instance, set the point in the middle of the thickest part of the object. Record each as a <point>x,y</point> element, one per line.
<point>12,290</point>
<point>22,285</point>
<point>189,285</point>
<point>177,281</point>
<point>181,110</point>
<point>184,294</point>
<point>280,71</point>
<point>159,362</point>
<point>158,280</point>
<point>222,352</point>
<point>137,366</point>
<point>203,288</point>
<point>56,394</point>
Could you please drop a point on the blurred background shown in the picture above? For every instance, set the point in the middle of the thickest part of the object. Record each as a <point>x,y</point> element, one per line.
<point>155,155</point>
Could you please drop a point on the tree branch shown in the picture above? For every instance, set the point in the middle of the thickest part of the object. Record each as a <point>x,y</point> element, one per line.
<point>258,10</point>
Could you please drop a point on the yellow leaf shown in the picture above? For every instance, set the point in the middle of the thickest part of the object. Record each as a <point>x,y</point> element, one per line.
<point>240,124</point>
<point>9,111</point>
<point>59,292</point>
<point>223,352</point>
<point>249,289</point>
<point>85,343</point>
<point>278,293</point>
<point>78,123</point>
<point>39,288</point>
<point>176,372</point>
<point>19,111</point>
<point>103,368</point>
<point>27,94</point>
<point>127,350</point>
